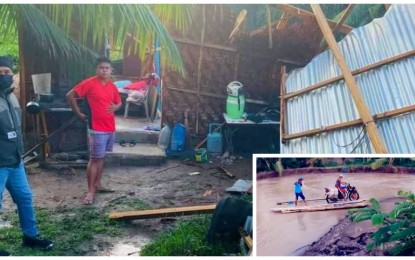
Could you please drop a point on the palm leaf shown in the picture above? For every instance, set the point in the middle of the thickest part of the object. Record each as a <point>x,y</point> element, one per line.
<point>178,16</point>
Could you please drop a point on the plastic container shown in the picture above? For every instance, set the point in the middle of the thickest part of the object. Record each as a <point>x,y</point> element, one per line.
<point>164,137</point>
<point>201,155</point>
<point>178,138</point>
<point>235,106</point>
<point>214,139</point>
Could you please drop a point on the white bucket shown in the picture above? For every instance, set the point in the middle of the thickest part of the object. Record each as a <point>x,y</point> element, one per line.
<point>42,83</point>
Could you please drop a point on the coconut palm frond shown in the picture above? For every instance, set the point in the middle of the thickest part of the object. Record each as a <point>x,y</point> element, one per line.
<point>178,15</point>
<point>67,29</point>
<point>8,24</point>
<point>40,30</point>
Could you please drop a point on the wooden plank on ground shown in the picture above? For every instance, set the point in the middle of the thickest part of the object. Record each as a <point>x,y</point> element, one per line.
<point>161,213</point>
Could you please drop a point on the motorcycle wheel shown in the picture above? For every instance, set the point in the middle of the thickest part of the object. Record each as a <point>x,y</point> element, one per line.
<point>354,196</point>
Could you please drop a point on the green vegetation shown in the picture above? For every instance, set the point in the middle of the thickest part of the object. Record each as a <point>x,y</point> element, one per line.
<point>71,229</point>
<point>396,234</point>
<point>188,238</point>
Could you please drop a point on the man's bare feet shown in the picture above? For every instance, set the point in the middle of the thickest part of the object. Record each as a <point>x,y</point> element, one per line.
<point>89,199</point>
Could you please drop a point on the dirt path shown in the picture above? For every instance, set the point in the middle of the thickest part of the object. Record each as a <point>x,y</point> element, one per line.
<point>167,185</point>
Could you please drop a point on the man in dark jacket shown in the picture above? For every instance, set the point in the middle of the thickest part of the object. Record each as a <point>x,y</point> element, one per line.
<point>12,171</point>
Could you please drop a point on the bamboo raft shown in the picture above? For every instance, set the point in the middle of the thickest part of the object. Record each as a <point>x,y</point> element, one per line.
<point>320,207</point>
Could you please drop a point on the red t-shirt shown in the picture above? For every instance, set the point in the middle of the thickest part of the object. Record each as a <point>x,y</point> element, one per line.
<point>99,98</point>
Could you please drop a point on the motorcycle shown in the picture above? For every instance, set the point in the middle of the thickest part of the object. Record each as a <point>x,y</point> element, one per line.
<point>333,194</point>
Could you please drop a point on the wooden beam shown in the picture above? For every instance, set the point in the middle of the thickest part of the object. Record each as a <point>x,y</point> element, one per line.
<point>207,45</point>
<point>268,9</point>
<point>283,109</point>
<point>160,213</point>
<point>283,21</point>
<point>279,24</point>
<point>301,12</point>
<point>343,18</point>
<point>354,73</point>
<point>356,122</point>
<point>207,94</point>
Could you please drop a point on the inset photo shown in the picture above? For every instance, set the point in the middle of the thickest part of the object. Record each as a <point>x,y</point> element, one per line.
<point>335,206</point>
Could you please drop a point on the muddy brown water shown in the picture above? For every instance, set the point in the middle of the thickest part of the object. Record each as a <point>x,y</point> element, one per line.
<point>288,234</point>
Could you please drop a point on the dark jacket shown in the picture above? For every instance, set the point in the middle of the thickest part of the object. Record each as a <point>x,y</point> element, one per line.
<point>11,141</point>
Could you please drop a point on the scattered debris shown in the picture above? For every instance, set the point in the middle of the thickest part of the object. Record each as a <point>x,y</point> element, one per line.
<point>60,202</point>
<point>193,173</point>
<point>242,186</point>
<point>207,193</point>
<point>228,173</point>
<point>28,159</point>
<point>168,168</point>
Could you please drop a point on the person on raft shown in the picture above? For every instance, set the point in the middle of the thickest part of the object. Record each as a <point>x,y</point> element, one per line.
<point>298,190</point>
<point>340,187</point>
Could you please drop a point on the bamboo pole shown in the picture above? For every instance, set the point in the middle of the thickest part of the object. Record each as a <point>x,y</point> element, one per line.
<point>283,109</point>
<point>199,67</point>
<point>354,73</point>
<point>361,106</point>
<point>22,72</point>
<point>343,18</point>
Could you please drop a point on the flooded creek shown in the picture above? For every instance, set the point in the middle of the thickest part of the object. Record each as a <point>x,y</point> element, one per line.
<point>285,234</point>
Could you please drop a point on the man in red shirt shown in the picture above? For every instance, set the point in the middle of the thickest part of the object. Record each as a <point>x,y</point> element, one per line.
<point>103,99</point>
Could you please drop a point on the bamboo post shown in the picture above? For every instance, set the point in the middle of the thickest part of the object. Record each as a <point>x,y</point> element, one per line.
<point>282,102</point>
<point>361,106</point>
<point>22,72</point>
<point>199,66</point>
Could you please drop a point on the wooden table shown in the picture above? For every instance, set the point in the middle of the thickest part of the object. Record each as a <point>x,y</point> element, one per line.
<point>233,125</point>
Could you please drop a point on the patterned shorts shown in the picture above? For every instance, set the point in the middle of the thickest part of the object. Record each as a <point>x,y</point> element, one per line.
<point>100,144</point>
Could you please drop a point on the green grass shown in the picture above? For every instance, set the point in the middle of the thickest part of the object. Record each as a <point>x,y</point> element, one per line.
<point>72,230</point>
<point>188,238</point>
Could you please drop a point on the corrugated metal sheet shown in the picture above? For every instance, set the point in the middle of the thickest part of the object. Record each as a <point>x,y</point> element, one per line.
<point>386,88</point>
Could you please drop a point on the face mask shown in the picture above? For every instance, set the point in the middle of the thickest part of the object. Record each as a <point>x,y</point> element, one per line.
<point>5,81</point>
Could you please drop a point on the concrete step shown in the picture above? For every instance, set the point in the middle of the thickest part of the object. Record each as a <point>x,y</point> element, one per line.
<point>140,136</point>
<point>135,129</point>
<point>139,155</point>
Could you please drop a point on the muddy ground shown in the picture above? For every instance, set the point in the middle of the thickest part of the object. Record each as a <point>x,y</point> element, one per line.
<point>167,185</point>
